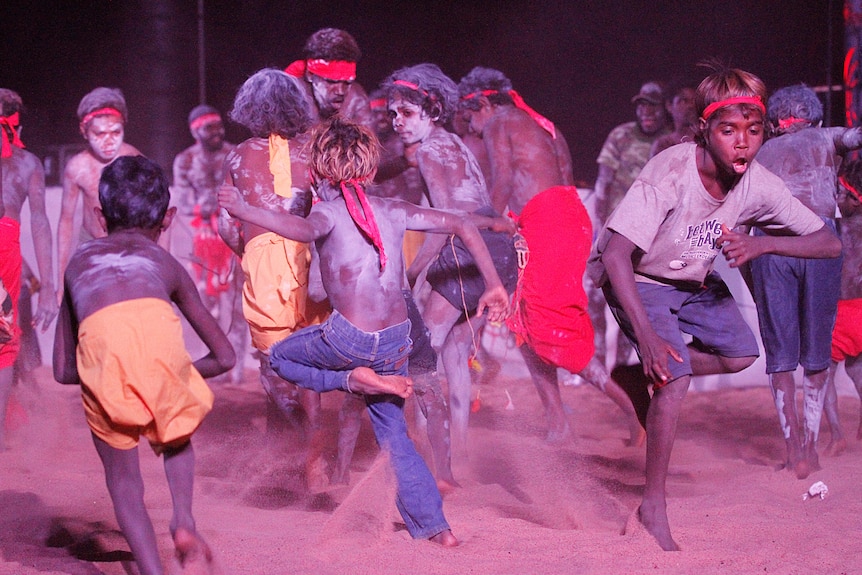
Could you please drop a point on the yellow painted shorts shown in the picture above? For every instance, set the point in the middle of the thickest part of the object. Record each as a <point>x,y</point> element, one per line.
<point>137,377</point>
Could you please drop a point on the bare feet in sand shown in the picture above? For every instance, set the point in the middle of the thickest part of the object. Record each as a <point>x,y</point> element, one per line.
<point>365,381</point>
<point>558,433</point>
<point>836,447</point>
<point>445,486</point>
<point>446,539</point>
<point>654,520</point>
<point>192,552</point>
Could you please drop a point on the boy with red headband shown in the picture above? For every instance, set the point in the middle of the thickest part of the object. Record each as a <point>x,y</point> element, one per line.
<point>102,116</point>
<point>846,336</point>
<point>329,70</point>
<point>23,180</point>
<point>194,238</point>
<point>654,261</point>
<point>364,345</point>
<point>422,99</point>
<point>797,298</point>
<point>531,177</point>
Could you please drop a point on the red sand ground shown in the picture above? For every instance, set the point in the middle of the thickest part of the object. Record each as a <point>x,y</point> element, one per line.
<point>525,507</point>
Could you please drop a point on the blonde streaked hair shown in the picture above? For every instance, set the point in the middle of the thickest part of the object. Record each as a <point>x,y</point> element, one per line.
<point>341,151</point>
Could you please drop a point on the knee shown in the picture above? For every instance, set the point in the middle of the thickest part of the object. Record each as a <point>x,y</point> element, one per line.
<point>737,364</point>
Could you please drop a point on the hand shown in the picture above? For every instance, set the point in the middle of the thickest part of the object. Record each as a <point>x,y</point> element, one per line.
<point>229,198</point>
<point>47,309</point>
<point>654,352</point>
<point>505,225</point>
<point>496,301</point>
<point>737,248</point>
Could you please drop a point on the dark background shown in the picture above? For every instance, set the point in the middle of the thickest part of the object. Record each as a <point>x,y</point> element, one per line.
<point>577,62</point>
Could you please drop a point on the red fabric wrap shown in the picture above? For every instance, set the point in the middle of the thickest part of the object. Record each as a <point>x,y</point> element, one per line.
<point>204,120</point>
<point>550,304</point>
<point>377,103</point>
<point>751,100</point>
<point>101,112</point>
<point>10,135</point>
<point>365,218</point>
<point>846,335</point>
<point>850,188</point>
<point>212,258</point>
<point>337,70</point>
<point>10,273</point>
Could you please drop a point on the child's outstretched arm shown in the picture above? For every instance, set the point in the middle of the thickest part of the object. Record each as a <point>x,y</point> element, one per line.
<point>284,224</point>
<point>741,248</point>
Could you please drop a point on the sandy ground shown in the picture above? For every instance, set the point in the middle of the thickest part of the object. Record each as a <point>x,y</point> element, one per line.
<point>525,507</point>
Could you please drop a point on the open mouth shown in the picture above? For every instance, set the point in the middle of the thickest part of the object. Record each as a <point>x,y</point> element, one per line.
<point>740,165</point>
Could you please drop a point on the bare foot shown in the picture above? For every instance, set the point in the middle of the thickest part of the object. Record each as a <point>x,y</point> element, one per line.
<point>447,485</point>
<point>558,433</point>
<point>365,381</point>
<point>656,523</point>
<point>446,539</point>
<point>637,436</point>
<point>315,475</point>
<point>836,447</point>
<point>192,551</point>
<point>801,468</point>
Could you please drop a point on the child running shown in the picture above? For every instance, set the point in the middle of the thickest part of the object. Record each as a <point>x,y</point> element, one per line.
<point>119,337</point>
<point>362,348</point>
<point>654,260</point>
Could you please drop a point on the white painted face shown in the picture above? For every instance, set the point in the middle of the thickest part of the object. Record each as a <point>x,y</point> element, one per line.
<point>328,94</point>
<point>409,121</point>
<point>105,136</point>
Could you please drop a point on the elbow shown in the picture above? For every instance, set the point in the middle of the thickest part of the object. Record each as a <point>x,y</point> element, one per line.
<point>834,247</point>
<point>227,360</point>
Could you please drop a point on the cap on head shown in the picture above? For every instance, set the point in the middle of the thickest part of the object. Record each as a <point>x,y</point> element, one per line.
<point>650,93</point>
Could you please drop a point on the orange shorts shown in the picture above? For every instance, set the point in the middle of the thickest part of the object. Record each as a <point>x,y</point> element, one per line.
<point>137,377</point>
<point>847,333</point>
<point>275,295</point>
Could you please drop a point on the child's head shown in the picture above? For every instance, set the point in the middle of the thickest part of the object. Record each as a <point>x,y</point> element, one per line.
<point>793,106</point>
<point>488,82</point>
<point>10,102</point>
<point>341,151</point>
<point>728,89</point>
<point>102,114</point>
<point>272,102</point>
<point>426,86</point>
<point>133,192</point>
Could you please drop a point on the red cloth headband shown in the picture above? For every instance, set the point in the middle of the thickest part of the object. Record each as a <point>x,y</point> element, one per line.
<point>785,123</point>
<point>752,100</point>
<point>414,87</point>
<point>364,219</point>
<point>377,103</point>
<point>9,139</point>
<point>203,120</point>
<point>521,104</point>
<point>337,70</point>
<point>101,112</point>
<point>847,185</point>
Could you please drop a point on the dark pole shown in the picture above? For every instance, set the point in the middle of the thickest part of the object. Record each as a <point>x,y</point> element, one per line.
<point>829,56</point>
<point>202,59</point>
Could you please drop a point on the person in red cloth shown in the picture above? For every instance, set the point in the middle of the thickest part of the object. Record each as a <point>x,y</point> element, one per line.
<point>194,237</point>
<point>531,179</point>
<point>329,71</point>
<point>102,116</point>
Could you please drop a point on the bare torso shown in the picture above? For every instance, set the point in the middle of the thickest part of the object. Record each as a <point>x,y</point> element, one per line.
<point>524,159</point>
<point>197,175</point>
<point>451,173</point>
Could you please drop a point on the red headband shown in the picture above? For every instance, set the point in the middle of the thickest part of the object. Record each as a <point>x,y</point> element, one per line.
<point>337,70</point>
<point>521,104</point>
<point>203,120</point>
<point>847,185</point>
<point>8,139</point>
<point>377,103</point>
<point>785,123</point>
<point>101,112</point>
<point>414,87</point>
<point>751,100</point>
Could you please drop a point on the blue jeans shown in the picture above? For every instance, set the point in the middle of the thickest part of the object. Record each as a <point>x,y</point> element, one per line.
<point>320,358</point>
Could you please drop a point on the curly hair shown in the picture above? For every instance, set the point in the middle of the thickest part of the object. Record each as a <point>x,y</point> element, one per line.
<point>103,98</point>
<point>332,44</point>
<point>797,101</point>
<point>480,79</point>
<point>725,83</point>
<point>10,102</point>
<point>133,193</point>
<point>341,150</point>
<point>272,102</point>
<point>437,94</point>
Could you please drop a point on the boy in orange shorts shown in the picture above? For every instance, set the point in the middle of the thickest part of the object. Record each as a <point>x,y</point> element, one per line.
<point>118,336</point>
